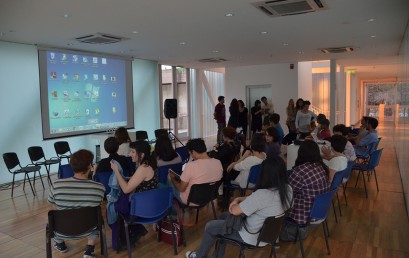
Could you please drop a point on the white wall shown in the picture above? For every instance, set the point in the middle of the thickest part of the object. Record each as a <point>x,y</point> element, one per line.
<point>21,111</point>
<point>283,80</point>
<point>305,81</point>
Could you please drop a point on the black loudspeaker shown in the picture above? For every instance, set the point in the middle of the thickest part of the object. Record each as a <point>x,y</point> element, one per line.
<point>171,108</point>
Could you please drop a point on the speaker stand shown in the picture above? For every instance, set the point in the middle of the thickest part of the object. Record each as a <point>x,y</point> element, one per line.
<point>172,136</point>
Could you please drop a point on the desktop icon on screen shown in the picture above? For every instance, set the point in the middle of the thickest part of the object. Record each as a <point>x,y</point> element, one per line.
<point>113,94</point>
<point>95,60</point>
<point>85,59</point>
<point>104,77</point>
<point>85,77</point>
<point>54,94</point>
<point>52,55</point>
<point>76,77</point>
<point>87,111</point>
<point>53,74</point>
<point>95,76</point>
<point>103,60</point>
<point>64,57</point>
<point>75,58</point>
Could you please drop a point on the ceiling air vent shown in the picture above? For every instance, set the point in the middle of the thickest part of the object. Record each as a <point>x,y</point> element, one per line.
<point>100,38</point>
<point>336,50</point>
<point>289,7</point>
<point>212,60</point>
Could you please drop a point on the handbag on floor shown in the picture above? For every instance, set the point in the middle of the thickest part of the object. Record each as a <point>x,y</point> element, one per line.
<point>165,231</point>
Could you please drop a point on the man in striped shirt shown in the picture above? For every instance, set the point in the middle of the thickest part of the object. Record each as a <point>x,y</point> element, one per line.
<point>77,192</point>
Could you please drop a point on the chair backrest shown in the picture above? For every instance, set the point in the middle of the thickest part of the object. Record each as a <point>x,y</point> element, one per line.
<point>184,154</point>
<point>161,132</point>
<point>375,158</point>
<point>347,171</point>
<point>74,222</point>
<point>141,135</point>
<point>65,171</point>
<point>271,229</point>
<point>253,174</point>
<point>337,179</point>
<point>321,204</point>
<point>11,160</point>
<point>377,143</point>
<point>152,203</point>
<point>202,194</point>
<point>61,148</point>
<point>163,172</point>
<point>36,153</point>
<point>103,178</point>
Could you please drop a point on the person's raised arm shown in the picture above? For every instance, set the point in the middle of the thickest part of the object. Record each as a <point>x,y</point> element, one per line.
<point>134,181</point>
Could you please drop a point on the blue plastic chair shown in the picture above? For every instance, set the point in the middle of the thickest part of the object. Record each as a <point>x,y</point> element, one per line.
<point>163,172</point>
<point>369,167</point>
<point>103,178</point>
<point>65,171</point>
<point>252,179</point>
<point>184,154</point>
<point>318,215</point>
<point>336,182</point>
<point>347,175</point>
<point>150,207</point>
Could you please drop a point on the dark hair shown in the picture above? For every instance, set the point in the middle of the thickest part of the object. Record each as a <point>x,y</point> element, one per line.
<point>229,132</point>
<point>220,98</point>
<point>273,174</point>
<point>373,122</point>
<point>258,143</point>
<point>305,103</point>
<point>143,147</point>
<point>325,122</point>
<point>197,145</point>
<point>263,98</point>
<point>298,101</point>
<point>340,128</point>
<point>241,102</point>
<point>81,160</point>
<point>310,152</point>
<point>111,145</point>
<point>257,102</point>
<point>164,149</point>
<point>271,131</point>
<point>275,118</point>
<point>338,142</point>
<point>321,118</point>
<point>121,134</point>
<point>234,105</point>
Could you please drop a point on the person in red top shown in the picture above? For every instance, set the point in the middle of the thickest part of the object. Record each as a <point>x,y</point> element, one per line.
<point>220,117</point>
<point>324,132</point>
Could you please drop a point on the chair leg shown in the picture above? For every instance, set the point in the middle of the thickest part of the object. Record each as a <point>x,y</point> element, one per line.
<point>357,178</point>
<point>128,242</point>
<point>103,239</point>
<point>197,215</point>
<point>301,243</point>
<point>48,174</point>
<point>29,181</point>
<point>48,242</point>
<point>339,205</point>
<point>12,186</point>
<point>41,178</point>
<point>324,225</point>
<point>345,194</point>
<point>376,180</point>
<point>335,212</point>
<point>363,177</point>
<point>273,251</point>
<point>172,227</point>
<point>214,210</point>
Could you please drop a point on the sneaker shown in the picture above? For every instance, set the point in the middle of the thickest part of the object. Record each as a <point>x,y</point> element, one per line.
<point>61,247</point>
<point>190,254</point>
<point>89,251</point>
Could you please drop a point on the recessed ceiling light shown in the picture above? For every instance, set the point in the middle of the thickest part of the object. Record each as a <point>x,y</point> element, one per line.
<point>285,44</point>
<point>373,36</point>
<point>215,51</point>
<point>263,32</point>
<point>371,20</point>
<point>66,15</point>
<point>182,43</point>
<point>300,52</point>
<point>135,32</point>
<point>229,14</point>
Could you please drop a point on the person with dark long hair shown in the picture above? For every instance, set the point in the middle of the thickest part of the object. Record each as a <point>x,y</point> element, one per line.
<point>234,114</point>
<point>256,117</point>
<point>309,178</point>
<point>243,116</point>
<point>272,197</point>
<point>122,136</point>
<point>165,153</point>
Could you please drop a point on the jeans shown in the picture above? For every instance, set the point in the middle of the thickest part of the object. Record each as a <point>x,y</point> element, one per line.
<point>220,127</point>
<point>94,235</point>
<point>212,229</point>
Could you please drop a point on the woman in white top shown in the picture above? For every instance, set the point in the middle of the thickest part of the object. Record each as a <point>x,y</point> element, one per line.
<point>122,136</point>
<point>334,157</point>
<point>251,157</point>
<point>303,120</point>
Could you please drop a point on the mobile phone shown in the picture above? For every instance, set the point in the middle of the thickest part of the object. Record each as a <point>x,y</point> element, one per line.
<point>177,176</point>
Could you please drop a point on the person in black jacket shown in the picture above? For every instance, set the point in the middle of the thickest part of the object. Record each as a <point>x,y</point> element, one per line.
<point>111,146</point>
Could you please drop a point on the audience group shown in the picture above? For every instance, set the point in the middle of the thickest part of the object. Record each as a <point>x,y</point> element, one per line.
<point>320,156</point>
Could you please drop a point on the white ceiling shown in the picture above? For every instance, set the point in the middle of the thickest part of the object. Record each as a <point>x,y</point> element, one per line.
<point>156,29</point>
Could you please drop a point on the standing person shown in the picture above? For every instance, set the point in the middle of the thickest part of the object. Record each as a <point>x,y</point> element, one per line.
<point>220,117</point>
<point>122,136</point>
<point>77,192</point>
<point>292,130</point>
<point>298,105</point>
<point>267,107</point>
<point>256,117</point>
<point>272,197</point>
<point>303,120</point>
<point>234,114</point>
<point>243,117</point>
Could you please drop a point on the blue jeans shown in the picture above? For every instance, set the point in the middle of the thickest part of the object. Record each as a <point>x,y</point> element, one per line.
<point>212,229</point>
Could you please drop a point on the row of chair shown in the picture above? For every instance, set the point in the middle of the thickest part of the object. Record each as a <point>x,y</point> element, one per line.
<point>38,159</point>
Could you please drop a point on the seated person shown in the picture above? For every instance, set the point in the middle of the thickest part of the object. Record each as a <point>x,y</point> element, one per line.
<point>111,147</point>
<point>349,150</point>
<point>272,138</point>
<point>227,151</point>
<point>164,152</point>
<point>275,122</point>
<point>320,118</point>
<point>238,172</point>
<point>309,178</point>
<point>122,136</point>
<point>358,133</point>
<point>366,143</point>
<point>324,133</point>
<point>77,192</point>
<point>272,197</point>
<point>333,156</point>
<point>202,169</point>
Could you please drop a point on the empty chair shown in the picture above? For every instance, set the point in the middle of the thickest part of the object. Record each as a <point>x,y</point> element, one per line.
<point>163,172</point>
<point>69,224</point>
<point>318,215</point>
<point>161,132</point>
<point>336,182</point>
<point>202,194</point>
<point>63,150</point>
<point>141,136</point>
<point>269,233</point>
<point>65,171</point>
<point>184,154</point>
<point>37,157</point>
<point>347,174</point>
<point>14,167</point>
<point>103,178</point>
